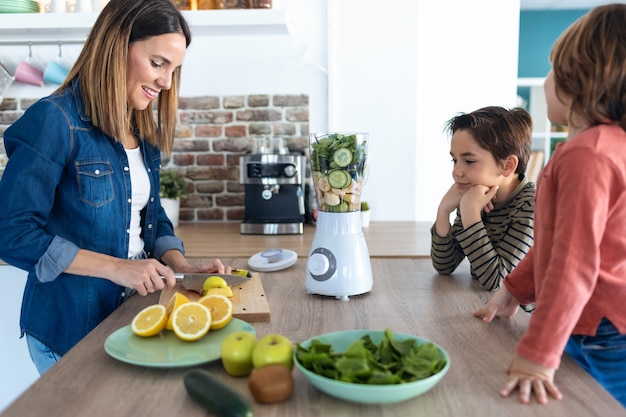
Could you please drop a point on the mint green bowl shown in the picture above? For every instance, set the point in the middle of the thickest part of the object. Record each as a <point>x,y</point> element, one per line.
<point>364,393</point>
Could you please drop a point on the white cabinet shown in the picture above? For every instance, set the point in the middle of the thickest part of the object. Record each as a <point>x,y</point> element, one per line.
<point>54,34</point>
<point>52,27</point>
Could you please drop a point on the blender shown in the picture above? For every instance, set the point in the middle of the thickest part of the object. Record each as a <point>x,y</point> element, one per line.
<point>339,263</point>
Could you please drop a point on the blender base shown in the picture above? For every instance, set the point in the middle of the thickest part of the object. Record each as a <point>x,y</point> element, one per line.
<point>339,263</point>
<point>338,297</point>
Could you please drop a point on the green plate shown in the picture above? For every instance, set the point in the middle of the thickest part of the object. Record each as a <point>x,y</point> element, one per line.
<point>166,350</point>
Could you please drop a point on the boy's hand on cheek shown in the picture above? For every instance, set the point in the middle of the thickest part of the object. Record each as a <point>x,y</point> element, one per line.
<point>475,200</point>
<point>491,194</point>
<point>450,200</point>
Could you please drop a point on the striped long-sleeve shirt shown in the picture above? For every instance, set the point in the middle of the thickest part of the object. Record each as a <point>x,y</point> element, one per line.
<point>494,245</point>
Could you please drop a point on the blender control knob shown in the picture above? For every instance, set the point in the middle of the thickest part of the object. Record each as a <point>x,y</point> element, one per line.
<point>318,264</point>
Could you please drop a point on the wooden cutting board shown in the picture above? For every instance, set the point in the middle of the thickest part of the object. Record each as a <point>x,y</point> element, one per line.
<point>249,300</point>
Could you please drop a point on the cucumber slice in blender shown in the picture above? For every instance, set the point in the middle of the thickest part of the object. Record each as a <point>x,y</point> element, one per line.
<point>342,157</point>
<point>338,178</point>
<point>340,208</point>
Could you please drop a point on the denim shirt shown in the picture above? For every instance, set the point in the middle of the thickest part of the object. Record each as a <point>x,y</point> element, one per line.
<point>67,187</point>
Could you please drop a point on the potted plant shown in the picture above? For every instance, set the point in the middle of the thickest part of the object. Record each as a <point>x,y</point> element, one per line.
<point>173,187</point>
<point>365,214</point>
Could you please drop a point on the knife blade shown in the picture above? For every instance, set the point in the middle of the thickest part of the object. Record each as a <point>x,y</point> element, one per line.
<point>193,282</point>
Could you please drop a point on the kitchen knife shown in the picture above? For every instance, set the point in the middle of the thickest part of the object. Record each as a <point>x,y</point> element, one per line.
<point>194,282</point>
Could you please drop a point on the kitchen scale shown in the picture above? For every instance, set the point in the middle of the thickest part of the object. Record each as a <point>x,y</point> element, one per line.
<point>339,263</point>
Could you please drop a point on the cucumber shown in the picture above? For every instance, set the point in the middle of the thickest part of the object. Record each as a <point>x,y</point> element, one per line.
<point>340,208</point>
<point>217,397</point>
<point>342,157</point>
<point>339,178</point>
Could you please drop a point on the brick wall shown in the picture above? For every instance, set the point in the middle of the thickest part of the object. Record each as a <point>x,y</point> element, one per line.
<point>213,132</point>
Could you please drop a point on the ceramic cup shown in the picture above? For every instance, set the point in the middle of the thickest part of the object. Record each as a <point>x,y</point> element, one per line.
<point>58,6</point>
<point>277,145</point>
<point>27,73</point>
<point>83,6</point>
<point>55,73</point>
<point>260,145</point>
<point>6,78</point>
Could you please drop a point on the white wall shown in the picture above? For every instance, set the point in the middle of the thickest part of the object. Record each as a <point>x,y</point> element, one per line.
<point>468,59</point>
<point>17,371</point>
<point>395,70</point>
<point>272,63</point>
<point>373,74</point>
<point>400,72</point>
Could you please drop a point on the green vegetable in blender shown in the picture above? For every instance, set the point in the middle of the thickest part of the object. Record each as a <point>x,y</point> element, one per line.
<point>390,362</point>
<point>338,166</point>
<point>342,157</point>
<point>339,178</point>
<point>337,151</point>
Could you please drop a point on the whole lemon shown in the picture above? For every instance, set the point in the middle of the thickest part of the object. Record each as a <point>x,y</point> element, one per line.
<point>214,282</point>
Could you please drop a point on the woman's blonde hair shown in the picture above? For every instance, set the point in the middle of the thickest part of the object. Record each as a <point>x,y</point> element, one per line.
<point>102,64</point>
<point>589,65</point>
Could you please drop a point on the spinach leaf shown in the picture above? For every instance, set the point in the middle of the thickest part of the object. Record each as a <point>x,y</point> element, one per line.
<point>325,147</point>
<point>390,362</point>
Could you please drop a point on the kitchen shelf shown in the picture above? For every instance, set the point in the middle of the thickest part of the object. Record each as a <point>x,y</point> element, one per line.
<point>75,26</point>
<point>543,136</point>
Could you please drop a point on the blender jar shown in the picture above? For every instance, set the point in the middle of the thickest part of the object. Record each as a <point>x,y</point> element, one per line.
<point>338,170</point>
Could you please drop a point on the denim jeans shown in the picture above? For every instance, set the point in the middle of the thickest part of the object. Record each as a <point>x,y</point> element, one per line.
<point>604,357</point>
<point>42,356</point>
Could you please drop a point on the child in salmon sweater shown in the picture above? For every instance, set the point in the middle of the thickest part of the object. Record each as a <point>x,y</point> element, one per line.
<point>576,270</point>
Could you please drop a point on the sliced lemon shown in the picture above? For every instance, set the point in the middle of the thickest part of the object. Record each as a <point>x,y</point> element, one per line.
<point>191,321</point>
<point>221,309</point>
<point>241,272</point>
<point>226,291</point>
<point>214,282</point>
<point>175,301</point>
<point>149,321</point>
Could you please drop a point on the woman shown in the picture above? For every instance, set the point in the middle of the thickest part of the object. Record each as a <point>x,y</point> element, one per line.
<point>81,209</point>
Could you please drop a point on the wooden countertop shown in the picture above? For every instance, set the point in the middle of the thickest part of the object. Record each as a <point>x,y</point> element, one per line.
<point>224,240</point>
<point>384,239</point>
<point>408,297</point>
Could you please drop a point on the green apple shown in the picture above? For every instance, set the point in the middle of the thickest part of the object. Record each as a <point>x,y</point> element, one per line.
<point>237,351</point>
<point>273,348</point>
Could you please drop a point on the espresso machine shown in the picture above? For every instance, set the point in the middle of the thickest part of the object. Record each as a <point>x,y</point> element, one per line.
<point>339,262</point>
<point>274,183</point>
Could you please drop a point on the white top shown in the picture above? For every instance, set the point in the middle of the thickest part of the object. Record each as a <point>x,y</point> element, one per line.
<point>272,260</point>
<point>140,187</point>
